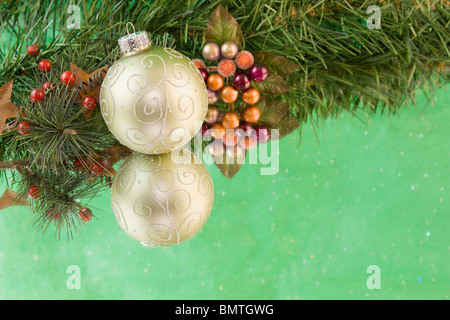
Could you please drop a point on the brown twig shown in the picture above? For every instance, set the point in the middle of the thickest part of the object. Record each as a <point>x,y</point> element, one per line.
<point>10,126</point>
<point>112,154</point>
<point>12,165</point>
<point>69,131</point>
<point>52,88</point>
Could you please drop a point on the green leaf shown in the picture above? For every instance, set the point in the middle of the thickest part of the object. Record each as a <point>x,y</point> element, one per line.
<point>230,165</point>
<point>274,85</point>
<point>272,111</point>
<point>222,27</point>
<point>229,170</point>
<point>276,64</point>
<point>286,126</point>
<point>275,115</point>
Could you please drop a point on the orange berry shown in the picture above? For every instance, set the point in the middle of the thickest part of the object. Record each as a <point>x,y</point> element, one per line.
<point>226,68</point>
<point>200,64</point>
<point>244,60</point>
<point>218,130</point>
<point>215,82</point>
<point>229,94</point>
<point>251,96</point>
<point>251,114</point>
<point>230,120</point>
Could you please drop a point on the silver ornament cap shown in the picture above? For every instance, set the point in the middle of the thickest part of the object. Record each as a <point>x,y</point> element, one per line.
<point>134,42</point>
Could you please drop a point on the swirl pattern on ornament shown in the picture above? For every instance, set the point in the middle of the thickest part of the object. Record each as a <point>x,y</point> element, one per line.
<point>114,74</point>
<point>125,183</point>
<point>174,54</point>
<point>185,175</point>
<point>144,204</point>
<point>136,83</point>
<point>159,233</point>
<point>107,108</point>
<point>148,164</point>
<point>151,112</point>
<point>180,200</point>
<point>137,137</point>
<point>186,107</point>
<point>193,223</point>
<point>180,77</point>
<point>163,180</point>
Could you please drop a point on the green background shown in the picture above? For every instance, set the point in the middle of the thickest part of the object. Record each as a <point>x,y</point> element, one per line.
<point>368,194</point>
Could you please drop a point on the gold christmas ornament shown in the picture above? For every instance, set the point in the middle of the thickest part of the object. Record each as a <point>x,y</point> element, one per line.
<point>153,99</point>
<point>162,200</point>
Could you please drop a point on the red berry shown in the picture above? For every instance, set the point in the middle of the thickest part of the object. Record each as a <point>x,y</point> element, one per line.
<point>242,81</point>
<point>45,65</point>
<point>97,169</point>
<point>23,127</point>
<point>85,214</point>
<point>246,128</point>
<point>47,85</point>
<point>205,131</point>
<point>33,50</point>
<point>68,78</point>
<point>34,192</point>
<point>263,134</point>
<point>52,215</point>
<point>89,102</point>
<point>79,162</point>
<point>37,95</point>
<point>230,138</point>
<point>204,74</point>
<point>259,73</point>
<point>249,142</point>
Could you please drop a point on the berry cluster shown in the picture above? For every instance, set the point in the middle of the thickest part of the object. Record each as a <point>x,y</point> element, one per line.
<point>38,94</point>
<point>231,78</point>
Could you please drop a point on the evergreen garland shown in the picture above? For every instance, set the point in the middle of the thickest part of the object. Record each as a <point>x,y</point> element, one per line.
<point>343,65</point>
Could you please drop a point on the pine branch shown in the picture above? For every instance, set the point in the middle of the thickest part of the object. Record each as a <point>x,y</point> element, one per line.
<point>317,35</point>
<point>343,67</point>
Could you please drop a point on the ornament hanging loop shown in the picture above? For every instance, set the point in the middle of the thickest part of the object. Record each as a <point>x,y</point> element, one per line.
<point>129,23</point>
